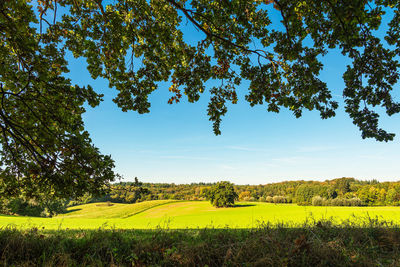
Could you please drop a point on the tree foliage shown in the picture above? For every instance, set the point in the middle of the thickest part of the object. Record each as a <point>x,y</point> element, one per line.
<point>326,193</point>
<point>222,194</point>
<point>31,207</point>
<point>137,44</point>
<point>44,147</point>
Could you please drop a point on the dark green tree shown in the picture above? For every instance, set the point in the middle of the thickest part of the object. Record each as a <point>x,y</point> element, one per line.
<point>222,194</point>
<point>137,44</point>
<point>342,185</point>
<point>305,193</point>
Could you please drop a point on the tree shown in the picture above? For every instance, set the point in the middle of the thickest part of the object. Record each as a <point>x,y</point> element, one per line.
<point>129,193</point>
<point>245,195</point>
<point>222,194</point>
<point>44,147</point>
<point>342,185</point>
<point>137,44</point>
<point>305,193</point>
<point>393,196</point>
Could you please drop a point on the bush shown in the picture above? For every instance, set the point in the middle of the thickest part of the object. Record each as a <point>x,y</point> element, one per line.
<point>355,201</point>
<point>269,199</point>
<point>279,199</point>
<point>25,208</point>
<point>262,199</point>
<point>32,207</point>
<point>322,244</point>
<point>245,195</point>
<point>222,194</point>
<point>303,203</point>
<point>318,201</point>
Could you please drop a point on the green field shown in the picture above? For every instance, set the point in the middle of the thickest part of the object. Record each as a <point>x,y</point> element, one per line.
<point>196,214</point>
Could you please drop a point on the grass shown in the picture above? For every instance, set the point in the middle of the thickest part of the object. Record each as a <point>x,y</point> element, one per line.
<point>193,233</point>
<point>320,244</point>
<point>112,210</point>
<point>195,214</point>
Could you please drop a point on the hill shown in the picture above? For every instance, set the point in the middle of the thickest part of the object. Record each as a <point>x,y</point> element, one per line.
<point>106,210</point>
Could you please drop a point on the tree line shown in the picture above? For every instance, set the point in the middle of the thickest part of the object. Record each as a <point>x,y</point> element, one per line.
<point>336,192</point>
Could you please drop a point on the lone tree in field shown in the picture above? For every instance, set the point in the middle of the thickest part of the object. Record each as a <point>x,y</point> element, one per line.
<point>274,45</point>
<point>222,194</point>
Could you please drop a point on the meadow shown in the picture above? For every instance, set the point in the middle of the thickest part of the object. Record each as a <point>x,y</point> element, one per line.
<point>194,233</point>
<point>170,214</point>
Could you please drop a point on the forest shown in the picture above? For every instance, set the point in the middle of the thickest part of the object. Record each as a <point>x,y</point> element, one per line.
<point>336,192</point>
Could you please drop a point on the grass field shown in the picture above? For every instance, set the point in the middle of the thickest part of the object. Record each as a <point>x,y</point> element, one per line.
<point>195,214</point>
<point>97,234</point>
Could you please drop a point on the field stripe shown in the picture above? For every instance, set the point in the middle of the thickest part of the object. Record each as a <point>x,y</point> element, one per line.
<point>151,207</point>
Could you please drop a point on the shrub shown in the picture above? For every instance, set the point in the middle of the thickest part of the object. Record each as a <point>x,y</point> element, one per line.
<point>262,199</point>
<point>269,199</point>
<point>279,199</point>
<point>43,208</point>
<point>326,202</point>
<point>338,201</point>
<point>245,195</point>
<point>318,201</point>
<point>355,201</point>
<point>303,203</point>
<point>321,244</point>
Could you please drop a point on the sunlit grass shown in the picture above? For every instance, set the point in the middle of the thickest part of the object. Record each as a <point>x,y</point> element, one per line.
<point>196,214</point>
<point>107,210</point>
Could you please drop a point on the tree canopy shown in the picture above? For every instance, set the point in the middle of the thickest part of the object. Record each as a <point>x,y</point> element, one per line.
<point>136,44</point>
<point>222,194</point>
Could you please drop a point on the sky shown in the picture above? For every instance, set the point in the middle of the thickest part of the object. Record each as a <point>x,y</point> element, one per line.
<point>176,144</point>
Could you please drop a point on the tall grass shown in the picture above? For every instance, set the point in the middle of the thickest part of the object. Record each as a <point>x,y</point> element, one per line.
<point>320,243</point>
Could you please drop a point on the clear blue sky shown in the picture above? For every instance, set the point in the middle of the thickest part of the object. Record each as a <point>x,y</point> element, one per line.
<point>175,143</point>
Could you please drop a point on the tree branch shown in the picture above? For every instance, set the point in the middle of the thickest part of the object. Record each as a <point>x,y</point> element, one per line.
<point>213,35</point>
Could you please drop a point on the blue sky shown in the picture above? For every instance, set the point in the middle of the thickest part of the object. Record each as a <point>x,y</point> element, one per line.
<point>175,143</point>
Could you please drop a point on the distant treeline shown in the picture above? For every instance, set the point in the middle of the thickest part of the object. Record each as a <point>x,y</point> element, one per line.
<point>336,192</point>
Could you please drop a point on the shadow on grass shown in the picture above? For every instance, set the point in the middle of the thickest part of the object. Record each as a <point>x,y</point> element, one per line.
<point>7,215</point>
<point>243,205</point>
<point>69,211</point>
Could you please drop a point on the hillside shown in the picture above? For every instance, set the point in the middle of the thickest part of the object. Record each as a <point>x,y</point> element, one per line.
<point>106,210</point>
